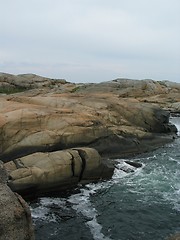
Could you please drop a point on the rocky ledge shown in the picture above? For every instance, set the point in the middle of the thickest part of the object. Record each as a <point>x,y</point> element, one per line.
<point>53,124</point>
<point>43,173</point>
<point>55,134</point>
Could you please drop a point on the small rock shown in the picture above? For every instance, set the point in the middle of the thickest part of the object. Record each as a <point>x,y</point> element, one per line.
<point>134,164</point>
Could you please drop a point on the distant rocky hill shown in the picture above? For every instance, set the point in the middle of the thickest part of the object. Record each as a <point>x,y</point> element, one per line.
<point>164,93</point>
<point>10,83</point>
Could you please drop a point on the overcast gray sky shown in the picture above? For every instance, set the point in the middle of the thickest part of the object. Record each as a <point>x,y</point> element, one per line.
<point>91,40</point>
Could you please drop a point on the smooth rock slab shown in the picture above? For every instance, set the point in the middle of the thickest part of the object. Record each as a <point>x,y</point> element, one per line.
<point>42,173</point>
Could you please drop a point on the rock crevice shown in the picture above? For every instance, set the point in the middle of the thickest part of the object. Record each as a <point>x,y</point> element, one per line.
<point>53,134</point>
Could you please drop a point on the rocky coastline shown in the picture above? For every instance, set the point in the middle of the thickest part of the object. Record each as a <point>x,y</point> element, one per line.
<point>55,135</point>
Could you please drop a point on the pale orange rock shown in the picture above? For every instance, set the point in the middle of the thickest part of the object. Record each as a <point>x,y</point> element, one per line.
<point>53,134</point>
<point>95,115</point>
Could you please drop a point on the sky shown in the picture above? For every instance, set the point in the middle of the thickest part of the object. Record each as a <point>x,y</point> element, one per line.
<point>91,40</point>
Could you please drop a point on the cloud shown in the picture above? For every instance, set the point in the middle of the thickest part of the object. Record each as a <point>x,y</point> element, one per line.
<point>91,40</point>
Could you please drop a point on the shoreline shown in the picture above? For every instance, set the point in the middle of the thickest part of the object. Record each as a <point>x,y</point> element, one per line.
<point>55,134</point>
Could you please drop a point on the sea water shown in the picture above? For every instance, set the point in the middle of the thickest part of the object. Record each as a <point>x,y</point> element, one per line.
<point>139,205</point>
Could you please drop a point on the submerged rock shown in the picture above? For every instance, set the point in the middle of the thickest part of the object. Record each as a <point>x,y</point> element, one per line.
<point>134,164</point>
<point>128,166</point>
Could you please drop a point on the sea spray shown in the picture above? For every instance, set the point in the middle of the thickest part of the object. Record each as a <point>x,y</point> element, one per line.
<point>137,205</point>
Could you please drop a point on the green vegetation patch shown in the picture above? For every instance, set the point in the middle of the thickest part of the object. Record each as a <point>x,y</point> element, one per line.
<point>11,90</point>
<point>75,89</point>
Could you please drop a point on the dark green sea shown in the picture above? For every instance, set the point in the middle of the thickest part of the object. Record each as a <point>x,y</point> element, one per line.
<point>140,205</point>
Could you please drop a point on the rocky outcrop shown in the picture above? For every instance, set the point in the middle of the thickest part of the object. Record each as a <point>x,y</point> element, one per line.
<point>127,166</point>
<point>117,118</point>
<point>27,81</point>
<point>15,216</point>
<point>175,107</point>
<point>52,132</point>
<point>161,93</point>
<point>106,122</point>
<point>42,173</point>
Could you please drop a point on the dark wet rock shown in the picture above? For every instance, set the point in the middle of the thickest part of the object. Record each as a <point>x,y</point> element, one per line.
<point>126,169</point>
<point>128,166</point>
<point>134,164</point>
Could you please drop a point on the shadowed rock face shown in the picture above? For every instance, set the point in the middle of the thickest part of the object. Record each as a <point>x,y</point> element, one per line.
<point>15,216</point>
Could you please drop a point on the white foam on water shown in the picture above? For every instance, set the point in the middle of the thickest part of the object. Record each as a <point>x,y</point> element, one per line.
<point>43,212</point>
<point>96,228</point>
<point>173,196</point>
<point>118,173</point>
<point>47,201</point>
<point>39,212</point>
<point>176,122</point>
<point>82,204</point>
<point>122,169</point>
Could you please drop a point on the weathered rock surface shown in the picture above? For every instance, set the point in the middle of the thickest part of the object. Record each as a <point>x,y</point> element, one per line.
<point>41,173</point>
<point>161,93</point>
<point>46,117</point>
<point>27,81</point>
<point>15,216</point>
<point>117,118</point>
<point>174,237</point>
<point>106,122</point>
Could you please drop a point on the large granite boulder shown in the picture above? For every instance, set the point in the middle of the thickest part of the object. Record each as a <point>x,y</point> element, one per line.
<point>104,121</point>
<point>15,216</point>
<point>42,173</point>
